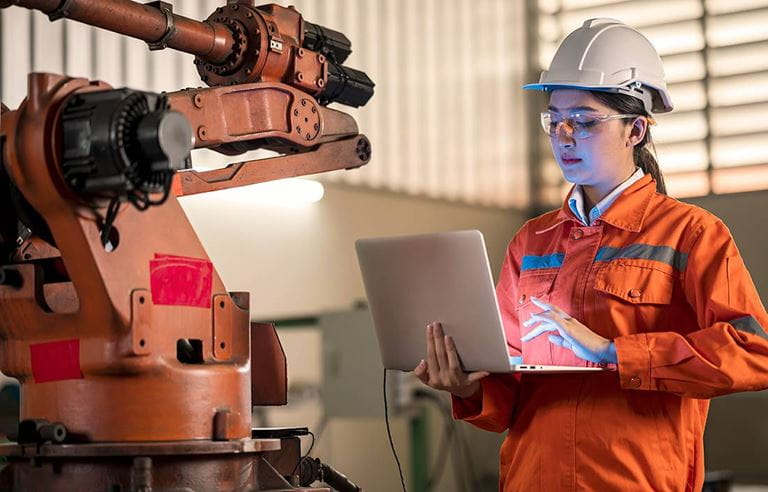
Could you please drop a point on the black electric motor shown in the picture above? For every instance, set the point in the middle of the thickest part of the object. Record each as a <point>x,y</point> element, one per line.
<point>123,142</point>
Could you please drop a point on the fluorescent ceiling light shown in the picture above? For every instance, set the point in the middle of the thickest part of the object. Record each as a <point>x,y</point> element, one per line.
<point>284,192</point>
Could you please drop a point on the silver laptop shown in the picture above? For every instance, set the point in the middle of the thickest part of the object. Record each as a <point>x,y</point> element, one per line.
<point>414,280</point>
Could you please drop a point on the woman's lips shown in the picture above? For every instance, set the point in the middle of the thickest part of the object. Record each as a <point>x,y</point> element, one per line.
<point>570,160</point>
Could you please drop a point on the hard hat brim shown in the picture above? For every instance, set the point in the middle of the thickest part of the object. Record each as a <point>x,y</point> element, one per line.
<point>665,107</point>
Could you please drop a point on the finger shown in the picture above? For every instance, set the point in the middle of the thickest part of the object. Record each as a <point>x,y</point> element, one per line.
<point>549,307</point>
<point>542,304</point>
<point>558,340</point>
<point>454,363</point>
<point>431,356</point>
<point>542,317</point>
<point>477,376</point>
<point>558,321</point>
<point>422,372</point>
<point>439,338</point>
<point>542,328</point>
<point>564,326</point>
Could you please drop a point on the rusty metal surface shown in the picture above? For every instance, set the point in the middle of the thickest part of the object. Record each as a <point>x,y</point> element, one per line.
<point>267,48</point>
<point>343,154</point>
<point>161,393</point>
<point>174,448</point>
<point>210,41</point>
<point>269,372</point>
<point>198,466</point>
<point>252,113</point>
<point>163,399</point>
<point>237,44</point>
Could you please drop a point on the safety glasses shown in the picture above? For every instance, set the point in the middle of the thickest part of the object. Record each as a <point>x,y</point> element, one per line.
<point>579,125</point>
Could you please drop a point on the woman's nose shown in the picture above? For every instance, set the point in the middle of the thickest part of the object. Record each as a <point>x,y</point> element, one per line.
<point>564,134</point>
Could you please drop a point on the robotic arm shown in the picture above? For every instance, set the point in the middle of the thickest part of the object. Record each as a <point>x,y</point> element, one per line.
<point>114,320</point>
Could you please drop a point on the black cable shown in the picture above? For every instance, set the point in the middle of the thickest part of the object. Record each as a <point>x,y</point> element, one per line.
<point>389,434</point>
<point>109,219</point>
<point>312,445</point>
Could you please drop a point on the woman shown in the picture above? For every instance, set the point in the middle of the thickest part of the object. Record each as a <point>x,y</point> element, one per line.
<point>621,276</point>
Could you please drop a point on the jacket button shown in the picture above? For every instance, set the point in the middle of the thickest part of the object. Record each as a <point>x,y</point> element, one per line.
<point>522,299</point>
<point>635,293</point>
<point>577,234</point>
<point>635,382</point>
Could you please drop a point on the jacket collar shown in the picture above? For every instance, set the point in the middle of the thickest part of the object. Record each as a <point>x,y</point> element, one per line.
<point>627,212</point>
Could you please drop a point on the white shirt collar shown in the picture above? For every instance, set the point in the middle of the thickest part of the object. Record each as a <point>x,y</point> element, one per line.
<point>576,200</point>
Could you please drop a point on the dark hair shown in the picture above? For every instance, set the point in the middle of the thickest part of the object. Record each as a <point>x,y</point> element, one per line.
<point>644,153</point>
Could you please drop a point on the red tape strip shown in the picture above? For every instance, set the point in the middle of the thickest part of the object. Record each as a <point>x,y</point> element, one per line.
<point>55,361</point>
<point>181,281</point>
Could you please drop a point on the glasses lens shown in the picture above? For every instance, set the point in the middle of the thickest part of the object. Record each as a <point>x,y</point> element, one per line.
<point>549,123</point>
<point>583,124</point>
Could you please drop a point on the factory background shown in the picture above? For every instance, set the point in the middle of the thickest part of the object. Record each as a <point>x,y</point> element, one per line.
<point>456,145</point>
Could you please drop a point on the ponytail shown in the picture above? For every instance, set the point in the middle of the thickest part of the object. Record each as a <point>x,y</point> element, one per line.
<point>644,155</point>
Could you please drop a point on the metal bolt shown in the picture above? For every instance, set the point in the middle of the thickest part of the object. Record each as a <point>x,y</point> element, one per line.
<point>314,109</point>
<point>309,137</point>
<point>320,83</point>
<point>198,100</point>
<point>298,129</point>
<point>317,127</point>
<point>301,52</point>
<point>300,77</point>
<point>321,58</point>
<point>202,132</point>
<point>303,102</point>
<point>295,112</point>
<point>249,15</point>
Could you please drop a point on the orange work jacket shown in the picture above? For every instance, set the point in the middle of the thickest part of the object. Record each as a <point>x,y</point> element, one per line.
<point>665,281</point>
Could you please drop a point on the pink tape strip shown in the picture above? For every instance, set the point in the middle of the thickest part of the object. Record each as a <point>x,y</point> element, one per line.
<point>55,361</point>
<point>181,281</point>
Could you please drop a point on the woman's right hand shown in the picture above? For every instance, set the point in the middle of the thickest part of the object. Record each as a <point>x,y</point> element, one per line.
<point>442,370</point>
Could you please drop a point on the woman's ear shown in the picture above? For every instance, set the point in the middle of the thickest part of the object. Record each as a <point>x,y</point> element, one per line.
<point>637,131</point>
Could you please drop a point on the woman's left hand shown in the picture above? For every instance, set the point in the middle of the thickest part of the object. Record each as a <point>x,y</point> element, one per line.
<point>568,332</point>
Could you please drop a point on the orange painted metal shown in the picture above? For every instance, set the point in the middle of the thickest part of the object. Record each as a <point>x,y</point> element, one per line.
<point>343,154</point>
<point>246,116</point>
<point>269,384</point>
<point>237,44</point>
<point>212,42</point>
<point>120,331</point>
<point>124,389</point>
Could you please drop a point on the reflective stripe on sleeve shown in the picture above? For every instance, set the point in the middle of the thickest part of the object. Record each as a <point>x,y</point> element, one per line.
<point>748,324</point>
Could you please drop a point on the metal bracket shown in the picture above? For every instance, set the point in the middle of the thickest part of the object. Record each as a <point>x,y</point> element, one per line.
<point>61,11</point>
<point>276,44</point>
<point>167,9</point>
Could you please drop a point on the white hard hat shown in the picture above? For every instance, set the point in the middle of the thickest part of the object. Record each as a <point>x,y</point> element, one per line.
<point>608,55</point>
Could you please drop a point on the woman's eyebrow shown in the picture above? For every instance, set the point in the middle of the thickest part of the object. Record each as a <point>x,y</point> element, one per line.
<point>577,108</point>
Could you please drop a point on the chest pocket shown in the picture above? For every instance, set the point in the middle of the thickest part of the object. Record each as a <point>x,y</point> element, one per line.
<point>632,298</point>
<point>539,285</point>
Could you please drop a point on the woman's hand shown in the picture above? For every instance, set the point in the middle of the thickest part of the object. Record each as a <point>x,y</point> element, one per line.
<point>442,370</point>
<point>569,333</point>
